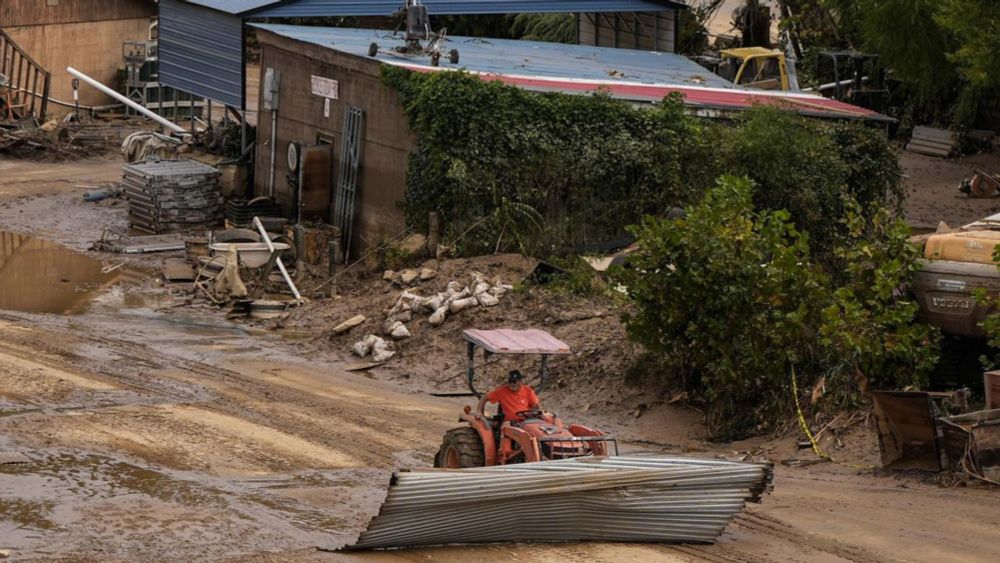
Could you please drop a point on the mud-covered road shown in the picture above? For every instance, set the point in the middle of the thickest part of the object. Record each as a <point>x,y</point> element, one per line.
<point>132,433</point>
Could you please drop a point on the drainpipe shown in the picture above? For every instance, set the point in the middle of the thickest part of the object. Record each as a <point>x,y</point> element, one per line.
<point>274,147</point>
<point>162,121</point>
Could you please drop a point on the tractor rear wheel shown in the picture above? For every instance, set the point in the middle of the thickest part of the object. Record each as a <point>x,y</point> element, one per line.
<point>461,447</point>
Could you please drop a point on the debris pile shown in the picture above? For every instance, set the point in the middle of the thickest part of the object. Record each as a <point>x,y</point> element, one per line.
<point>172,195</point>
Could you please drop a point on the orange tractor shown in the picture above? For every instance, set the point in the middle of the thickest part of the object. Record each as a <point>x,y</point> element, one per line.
<point>537,436</point>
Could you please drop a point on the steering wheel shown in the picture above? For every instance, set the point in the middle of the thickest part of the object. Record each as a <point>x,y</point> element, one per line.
<point>533,413</point>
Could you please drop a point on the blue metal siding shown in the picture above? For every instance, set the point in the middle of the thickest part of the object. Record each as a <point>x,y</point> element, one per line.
<point>201,51</point>
<point>233,6</point>
<point>311,8</point>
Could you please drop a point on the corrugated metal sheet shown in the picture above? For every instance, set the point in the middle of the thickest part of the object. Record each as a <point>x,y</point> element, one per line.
<point>201,52</point>
<point>640,76</point>
<point>660,498</point>
<point>524,58</point>
<point>303,8</point>
<point>14,13</point>
<point>233,6</point>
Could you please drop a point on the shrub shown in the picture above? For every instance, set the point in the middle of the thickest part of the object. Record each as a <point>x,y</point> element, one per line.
<point>732,297</point>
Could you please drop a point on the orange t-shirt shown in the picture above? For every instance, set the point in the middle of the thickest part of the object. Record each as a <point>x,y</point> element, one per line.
<point>511,402</point>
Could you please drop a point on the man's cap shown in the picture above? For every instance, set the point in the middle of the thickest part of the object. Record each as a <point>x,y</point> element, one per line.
<point>514,376</point>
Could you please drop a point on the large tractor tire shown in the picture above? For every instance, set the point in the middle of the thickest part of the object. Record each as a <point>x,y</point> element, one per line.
<point>461,447</point>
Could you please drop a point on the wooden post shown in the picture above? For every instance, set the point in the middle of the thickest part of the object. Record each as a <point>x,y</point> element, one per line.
<point>331,250</point>
<point>433,232</point>
<point>299,236</point>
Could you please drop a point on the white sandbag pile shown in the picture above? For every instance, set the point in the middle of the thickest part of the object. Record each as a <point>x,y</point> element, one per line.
<point>455,299</point>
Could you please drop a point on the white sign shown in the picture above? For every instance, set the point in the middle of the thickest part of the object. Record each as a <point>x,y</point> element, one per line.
<point>326,107</point>
<point>325,87</point>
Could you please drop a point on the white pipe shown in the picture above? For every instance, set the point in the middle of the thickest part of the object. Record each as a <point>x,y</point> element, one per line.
<point>274,148</point>
<point>281,265</point>
<point>162,121</point>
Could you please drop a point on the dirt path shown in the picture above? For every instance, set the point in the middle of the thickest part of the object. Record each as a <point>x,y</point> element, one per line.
<point>172,435</point>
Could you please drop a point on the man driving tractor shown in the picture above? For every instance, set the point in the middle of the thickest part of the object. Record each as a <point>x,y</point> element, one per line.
<point>514,398</point>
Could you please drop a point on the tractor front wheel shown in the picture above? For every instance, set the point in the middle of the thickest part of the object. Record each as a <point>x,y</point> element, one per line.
<point>461,447</point>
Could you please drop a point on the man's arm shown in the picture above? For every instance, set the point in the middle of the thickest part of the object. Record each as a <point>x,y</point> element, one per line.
<point>487,398</point>
<point>534,403</point>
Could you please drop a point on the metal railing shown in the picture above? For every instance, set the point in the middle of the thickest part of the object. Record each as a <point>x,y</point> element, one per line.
<point>21,74</point>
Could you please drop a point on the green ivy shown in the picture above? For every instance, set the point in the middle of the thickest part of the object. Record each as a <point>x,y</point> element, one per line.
<point>509,169</point>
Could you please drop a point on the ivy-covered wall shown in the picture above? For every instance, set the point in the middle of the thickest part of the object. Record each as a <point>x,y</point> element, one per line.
<point>544,172</point>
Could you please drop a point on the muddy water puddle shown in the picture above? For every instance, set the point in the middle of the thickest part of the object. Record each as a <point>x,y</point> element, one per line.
<point>39,276</point>
<point>104,502</point>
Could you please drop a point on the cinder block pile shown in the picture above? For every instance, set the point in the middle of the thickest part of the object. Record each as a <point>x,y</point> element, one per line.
<point>172,195</point>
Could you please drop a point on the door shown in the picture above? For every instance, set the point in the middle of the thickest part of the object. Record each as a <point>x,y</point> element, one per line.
<point>315,182</point>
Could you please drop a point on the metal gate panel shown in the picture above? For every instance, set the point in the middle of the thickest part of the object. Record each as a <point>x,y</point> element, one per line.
<point>350,163</point>
<point>201,51</point>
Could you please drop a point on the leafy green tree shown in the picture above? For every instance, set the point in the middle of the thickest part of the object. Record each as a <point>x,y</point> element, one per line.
<point>558,28</point>
<point>976,26</point>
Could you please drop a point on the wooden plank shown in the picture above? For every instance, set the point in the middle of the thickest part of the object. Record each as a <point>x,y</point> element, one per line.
<point>935,144</point>
<point>932,133</point>
<point>991,383</point>
<point>925,150</point>
<point>907,432</point>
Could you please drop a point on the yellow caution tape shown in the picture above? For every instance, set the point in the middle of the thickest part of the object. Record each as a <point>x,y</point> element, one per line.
<point>805,428</point>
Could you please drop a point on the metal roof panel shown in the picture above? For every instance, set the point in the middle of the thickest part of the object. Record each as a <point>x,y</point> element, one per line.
<point>515,57</point>
<point>633,75</point>
<point>306,8</point>
<point>233,6</point>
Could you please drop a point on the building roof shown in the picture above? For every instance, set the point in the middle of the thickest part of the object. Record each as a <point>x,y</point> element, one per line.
<point>233,6</point>
<point>536,59</point>
<point>330,8</point>
<point>639,76</point>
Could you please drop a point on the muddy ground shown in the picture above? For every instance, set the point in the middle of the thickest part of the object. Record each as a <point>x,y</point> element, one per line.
<point>151,432</point>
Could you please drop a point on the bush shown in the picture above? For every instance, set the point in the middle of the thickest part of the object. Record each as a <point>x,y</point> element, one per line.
<point>732,297</point>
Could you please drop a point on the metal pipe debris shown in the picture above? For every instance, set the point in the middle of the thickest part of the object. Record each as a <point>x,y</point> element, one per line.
<point>162,121</point>
<point>281,265</point>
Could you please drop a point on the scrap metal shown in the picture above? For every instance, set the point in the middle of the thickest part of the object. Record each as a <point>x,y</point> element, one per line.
<point>654,498</point>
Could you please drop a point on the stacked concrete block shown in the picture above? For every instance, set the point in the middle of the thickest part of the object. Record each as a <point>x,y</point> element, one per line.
<point>172,195</point>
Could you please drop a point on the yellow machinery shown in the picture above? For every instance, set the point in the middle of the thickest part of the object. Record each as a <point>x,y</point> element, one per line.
<point>755,67</point>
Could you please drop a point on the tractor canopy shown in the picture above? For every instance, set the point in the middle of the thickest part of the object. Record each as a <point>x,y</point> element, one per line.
<point>509,341</point>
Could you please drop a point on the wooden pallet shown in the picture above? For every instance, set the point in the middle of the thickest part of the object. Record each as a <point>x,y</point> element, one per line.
<point>933,142</point>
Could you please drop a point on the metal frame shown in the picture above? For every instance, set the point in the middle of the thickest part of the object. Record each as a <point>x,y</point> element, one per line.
<point>612,439</point>
<point>347,185</point>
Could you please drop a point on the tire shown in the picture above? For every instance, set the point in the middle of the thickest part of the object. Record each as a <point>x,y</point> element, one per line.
<point>460,448</point>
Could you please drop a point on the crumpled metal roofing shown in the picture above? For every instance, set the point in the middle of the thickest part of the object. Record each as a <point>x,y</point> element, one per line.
<point>655,498</point>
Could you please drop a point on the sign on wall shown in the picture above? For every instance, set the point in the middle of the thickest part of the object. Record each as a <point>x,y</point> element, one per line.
<point>325,87</point>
